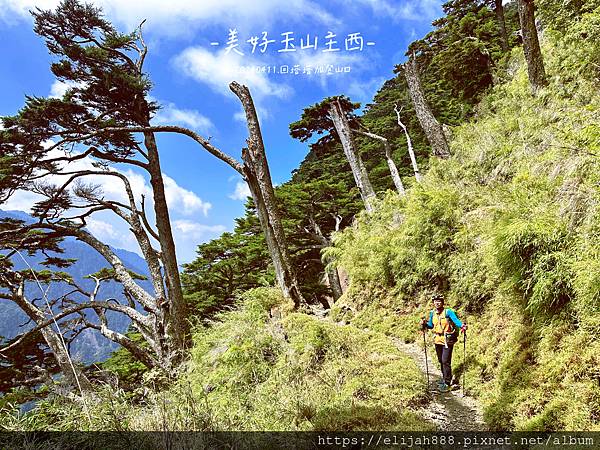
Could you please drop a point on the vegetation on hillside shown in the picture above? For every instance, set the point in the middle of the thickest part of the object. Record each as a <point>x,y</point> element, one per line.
<point>260,367</point>
<point>507,228</point>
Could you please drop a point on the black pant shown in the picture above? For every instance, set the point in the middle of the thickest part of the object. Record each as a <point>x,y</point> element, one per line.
<point>444,355</point>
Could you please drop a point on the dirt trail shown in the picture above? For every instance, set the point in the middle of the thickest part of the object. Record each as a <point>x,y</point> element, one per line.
<point>450,411</point>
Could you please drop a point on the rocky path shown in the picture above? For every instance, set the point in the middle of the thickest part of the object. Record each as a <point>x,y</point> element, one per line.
<point>450,411</point>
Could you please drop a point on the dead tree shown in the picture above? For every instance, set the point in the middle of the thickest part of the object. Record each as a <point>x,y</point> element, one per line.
<point>315,232</point>
<point>257,175</point>
<point>155,325</point>
<point>409,145</point>
<point>255,172</point>
<point>531,45</point>
<point>361,176</point>
<point>432,128</point>
<point>388,157</point>
<point>101,118</point>
<point>51,333</point>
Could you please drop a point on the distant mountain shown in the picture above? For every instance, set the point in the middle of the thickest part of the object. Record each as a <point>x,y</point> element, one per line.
<point>90,346</point>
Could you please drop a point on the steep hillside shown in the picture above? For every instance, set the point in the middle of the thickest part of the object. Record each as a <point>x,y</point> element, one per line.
<point>508,230</point>
<point>261,367</point>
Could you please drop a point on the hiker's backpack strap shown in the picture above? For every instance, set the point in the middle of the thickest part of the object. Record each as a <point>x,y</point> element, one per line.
<point>448,319</point>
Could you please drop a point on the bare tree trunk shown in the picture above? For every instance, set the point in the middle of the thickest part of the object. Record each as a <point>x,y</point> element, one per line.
<point>432,128</point>
<point>258,176</point>
<point>356,165</point>
<point>151,325</point>
<point>332,274</point>
<point>263,217</point>
<point>499,10</point>
<point>334,282</point>
<point>531,45</point>
<point>73,375</point>
<point>411,151</point>
<point>388,157</point>
<point>174,308</point>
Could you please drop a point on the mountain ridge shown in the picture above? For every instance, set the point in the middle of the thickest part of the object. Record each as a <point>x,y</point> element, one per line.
<point>90,346</point>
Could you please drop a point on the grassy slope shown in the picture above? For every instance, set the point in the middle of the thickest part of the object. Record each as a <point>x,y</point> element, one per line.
<point>251,371</point>
<point>509,228</point>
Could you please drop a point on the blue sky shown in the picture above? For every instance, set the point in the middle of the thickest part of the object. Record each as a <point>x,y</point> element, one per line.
<point>191,74</point>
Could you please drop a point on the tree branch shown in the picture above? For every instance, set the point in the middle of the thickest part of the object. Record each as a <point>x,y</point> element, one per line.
<point>145,220</point>
<point>180,130</point>
<point>129,312</point>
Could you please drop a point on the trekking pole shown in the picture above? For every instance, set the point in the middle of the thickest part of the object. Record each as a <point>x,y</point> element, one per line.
<point>426,363</point>
<point>464,360</point>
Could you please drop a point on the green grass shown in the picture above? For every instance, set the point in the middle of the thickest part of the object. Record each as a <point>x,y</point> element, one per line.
<point>509,230</point>
<point>249,371</point>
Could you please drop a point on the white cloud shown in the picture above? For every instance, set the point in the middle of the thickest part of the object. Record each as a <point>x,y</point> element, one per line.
<point>113,230</point>
<point>189,234</point>
<point>217,70</point>
<point>21,201</point>
<point>179,199</point>
<point>101,229</point>
<point>241,191</point>
<point>184,201</point>
<point>405,10</point>
<point>180,17</point>
<point>196,230</point>
<point>169,114</point>
<point>59,88</point>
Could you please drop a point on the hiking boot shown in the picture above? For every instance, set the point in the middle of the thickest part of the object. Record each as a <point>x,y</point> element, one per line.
<point>443,388</point>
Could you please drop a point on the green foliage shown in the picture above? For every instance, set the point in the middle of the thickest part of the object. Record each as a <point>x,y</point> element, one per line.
<point>262,367</point>
<point>315,120</point>
<point>21,364</point>
<point>303,374</point>
<point>509,229</point>
<point>323,187</point>
<point>561,15</point>
<point>129,370</point>
<point>108,273</point>
<point>460,56</point>
<point>227,266</point>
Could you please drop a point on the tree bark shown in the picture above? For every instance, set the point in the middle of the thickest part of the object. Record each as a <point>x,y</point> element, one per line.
<point>332,274</point>
<point>499,10</point>
<point>334,282</point>
<point>152,326</point>
<point>174,310</point>
<point>531,46</point>
<point>258,177</point>
<point>409,145</point>
<point>432,128</point>
<point>73,375</point>
<point>388,157</point>
<point>361,177</point>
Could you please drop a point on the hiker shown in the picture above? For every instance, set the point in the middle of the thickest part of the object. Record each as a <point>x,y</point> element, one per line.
<point>445,324</point>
